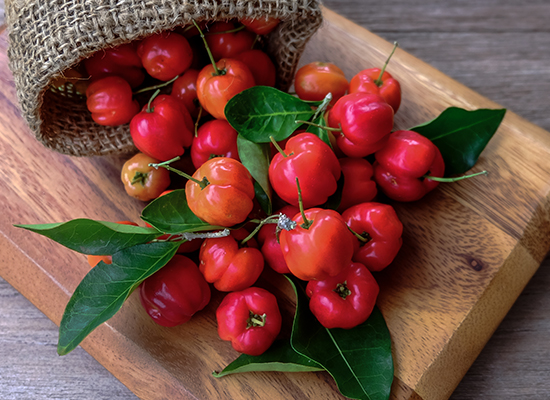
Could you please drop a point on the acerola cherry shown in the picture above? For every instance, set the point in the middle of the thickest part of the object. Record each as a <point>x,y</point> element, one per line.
<point>215,138</point>
<point>165,55</point>
<point>317,79</point>
<point>260,65</point>
<point>228,45</point>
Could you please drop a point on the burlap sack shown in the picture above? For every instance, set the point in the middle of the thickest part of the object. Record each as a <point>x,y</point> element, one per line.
<point>48,36</point>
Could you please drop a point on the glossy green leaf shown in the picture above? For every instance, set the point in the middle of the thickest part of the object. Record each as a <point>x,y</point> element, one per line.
<point>105,288</point>
<point>359,359</point>
<point>260,112</point>
<point>94,237</point>
<point>171,214</point>
<point>461,135</point>
<point>279,357</point>
<point>255,157</point>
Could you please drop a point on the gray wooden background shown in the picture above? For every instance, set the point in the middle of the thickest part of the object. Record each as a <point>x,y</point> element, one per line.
<point>501,49</point>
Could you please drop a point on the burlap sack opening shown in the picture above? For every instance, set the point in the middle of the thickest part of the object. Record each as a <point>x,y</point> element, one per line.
<point>48,36</point>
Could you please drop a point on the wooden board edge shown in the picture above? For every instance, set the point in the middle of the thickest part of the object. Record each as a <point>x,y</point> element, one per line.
<point>479,325</point>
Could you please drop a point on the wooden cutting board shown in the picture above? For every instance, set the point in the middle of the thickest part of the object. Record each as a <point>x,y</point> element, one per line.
<point>469,247</point>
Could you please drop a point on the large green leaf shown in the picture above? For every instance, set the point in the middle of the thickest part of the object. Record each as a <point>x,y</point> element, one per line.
<point>105,288</point>
<point>94,237</point>
<point>255,157</point>
<point>260,112</point>
<point>461,135</point>
<point>359,359</point>
<point>171,214</point>
<point>279,357</point>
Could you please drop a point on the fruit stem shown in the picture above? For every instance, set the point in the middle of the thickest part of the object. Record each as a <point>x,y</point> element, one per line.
<point>254,42</point>
<point>149,109</point>
<point>378,82</point>
<point>269,220</point>
<point>197,121</point>
<point>234,30</point>
<point>165,164</point>
<point>279,149</point>
<point>160,85</point>
<point>217,71</point>
<point>307,223</point>
<point>326,128</point>
<point>342,290</point>
<point>255,320</point>
<point>455,179</point>
<point>139,177</point>
<point>358,236</point>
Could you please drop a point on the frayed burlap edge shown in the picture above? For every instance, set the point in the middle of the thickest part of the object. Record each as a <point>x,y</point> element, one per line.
<point>48,36</point>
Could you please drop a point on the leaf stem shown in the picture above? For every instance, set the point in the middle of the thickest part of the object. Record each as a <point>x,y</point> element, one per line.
<point>378,82</point>
<point>455,179</point>
<point>323,106</point>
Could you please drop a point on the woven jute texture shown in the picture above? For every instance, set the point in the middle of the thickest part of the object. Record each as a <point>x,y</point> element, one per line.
<point>48,36</point>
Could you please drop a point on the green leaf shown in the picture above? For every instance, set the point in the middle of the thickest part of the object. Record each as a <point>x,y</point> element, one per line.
<point>461,135</point>
<point>321,133</point>
<point>255,157</point>
<point>171,214</point>
<point>94,237</point>
<point>105,288</point>
<point>279,357</point>
<point>260,112</point>
<point>359,359</point>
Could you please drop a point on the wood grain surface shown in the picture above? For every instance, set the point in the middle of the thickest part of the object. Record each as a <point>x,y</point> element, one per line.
<point>497,48</point>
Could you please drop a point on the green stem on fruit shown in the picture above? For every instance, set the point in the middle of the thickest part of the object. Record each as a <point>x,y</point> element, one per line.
<point>307,223</point>
<point>234,30</point>
<point>279,149</point>
<point>378,82</point>
<point>160,85</point>
<point>149,109</point>
<point>217,71</point>
<point>361,238</point>
<point>342,290</point>
<point>255,320</point>
<point>255,41</point>
<point>269,220</point>
<point>139,177</point>
<point>326,128</point>
<point>166,164</point>
<point>197,121</point>
<point>455,179</point>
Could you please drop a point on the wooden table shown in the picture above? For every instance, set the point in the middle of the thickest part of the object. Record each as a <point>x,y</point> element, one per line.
<point>495,47</point>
